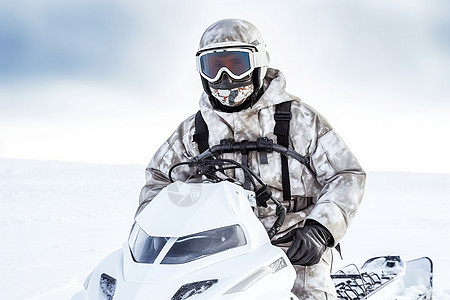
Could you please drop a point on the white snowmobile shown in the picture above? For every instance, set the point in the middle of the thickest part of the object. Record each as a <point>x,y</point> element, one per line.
<point>201,239</point>
<point>196,239</point>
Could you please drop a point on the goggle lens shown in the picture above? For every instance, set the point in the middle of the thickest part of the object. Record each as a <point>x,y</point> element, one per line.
<point>238,62</point>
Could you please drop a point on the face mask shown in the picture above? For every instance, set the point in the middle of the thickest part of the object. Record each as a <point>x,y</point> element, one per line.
<point>232,97</point>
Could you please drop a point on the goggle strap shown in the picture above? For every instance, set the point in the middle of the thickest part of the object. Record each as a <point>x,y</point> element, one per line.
<point>260,59</point>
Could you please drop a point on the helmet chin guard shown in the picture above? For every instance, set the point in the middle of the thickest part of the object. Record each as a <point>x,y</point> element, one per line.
<point>232,61</point>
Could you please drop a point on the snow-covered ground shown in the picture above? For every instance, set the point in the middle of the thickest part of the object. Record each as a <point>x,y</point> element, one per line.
<point>59,219</point>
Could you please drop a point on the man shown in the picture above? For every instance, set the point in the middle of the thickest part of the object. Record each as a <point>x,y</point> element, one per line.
<point>240,101</point>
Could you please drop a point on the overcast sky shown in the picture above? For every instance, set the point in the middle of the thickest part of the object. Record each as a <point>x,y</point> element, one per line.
<point>108,81</point>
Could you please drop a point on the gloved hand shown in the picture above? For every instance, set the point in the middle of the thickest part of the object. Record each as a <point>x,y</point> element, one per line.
<point>308,243</point>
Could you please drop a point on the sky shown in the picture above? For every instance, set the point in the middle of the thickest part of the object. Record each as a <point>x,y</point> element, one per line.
<point>109,81</point>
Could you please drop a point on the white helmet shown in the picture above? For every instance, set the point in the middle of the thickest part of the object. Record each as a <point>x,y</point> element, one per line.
<point>232,61</point>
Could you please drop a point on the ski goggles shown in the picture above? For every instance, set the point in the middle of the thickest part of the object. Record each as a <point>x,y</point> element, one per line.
<point>236,62</point>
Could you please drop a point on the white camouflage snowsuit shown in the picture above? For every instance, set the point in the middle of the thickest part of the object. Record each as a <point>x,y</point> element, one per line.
<point>336,184</point>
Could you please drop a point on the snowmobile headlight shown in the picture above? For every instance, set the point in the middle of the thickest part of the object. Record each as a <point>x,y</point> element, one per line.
<point>194,288</point>
<point>107,286</point>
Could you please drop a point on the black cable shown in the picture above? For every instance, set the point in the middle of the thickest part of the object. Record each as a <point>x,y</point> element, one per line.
<point>216,162</point>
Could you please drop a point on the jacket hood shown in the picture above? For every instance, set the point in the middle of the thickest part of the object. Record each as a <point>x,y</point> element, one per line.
<point>229,31</point>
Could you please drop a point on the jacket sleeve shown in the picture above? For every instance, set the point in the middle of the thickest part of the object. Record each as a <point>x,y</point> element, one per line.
<point>178,148</point>
<point>342,180</point>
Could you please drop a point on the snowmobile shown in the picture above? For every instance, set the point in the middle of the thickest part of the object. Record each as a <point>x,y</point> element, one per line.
<point>200,239</point>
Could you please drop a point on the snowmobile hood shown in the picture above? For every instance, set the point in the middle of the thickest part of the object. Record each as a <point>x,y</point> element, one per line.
<point>182,209</point>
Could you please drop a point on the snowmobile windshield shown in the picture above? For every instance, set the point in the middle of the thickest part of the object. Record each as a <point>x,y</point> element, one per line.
<point>145,248</point>
<point>195,246</point>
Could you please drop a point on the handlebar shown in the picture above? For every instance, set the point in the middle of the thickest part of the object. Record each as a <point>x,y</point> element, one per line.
<point>207,164</point>
<point>263,144</point>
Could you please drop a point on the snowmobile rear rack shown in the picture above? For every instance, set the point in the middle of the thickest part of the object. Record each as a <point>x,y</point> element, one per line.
<point>385,277</point>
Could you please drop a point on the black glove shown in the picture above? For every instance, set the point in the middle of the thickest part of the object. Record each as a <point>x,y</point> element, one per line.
<point>308,243</point>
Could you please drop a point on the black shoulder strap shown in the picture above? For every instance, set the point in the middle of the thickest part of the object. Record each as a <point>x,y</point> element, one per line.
<point>282,118</point>
<point>201,133</point>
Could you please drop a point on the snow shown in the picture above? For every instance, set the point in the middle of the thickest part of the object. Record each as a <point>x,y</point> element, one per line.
<point>59,219</point>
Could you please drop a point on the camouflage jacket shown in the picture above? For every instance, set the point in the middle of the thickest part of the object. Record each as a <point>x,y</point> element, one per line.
<point>329,193</point>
